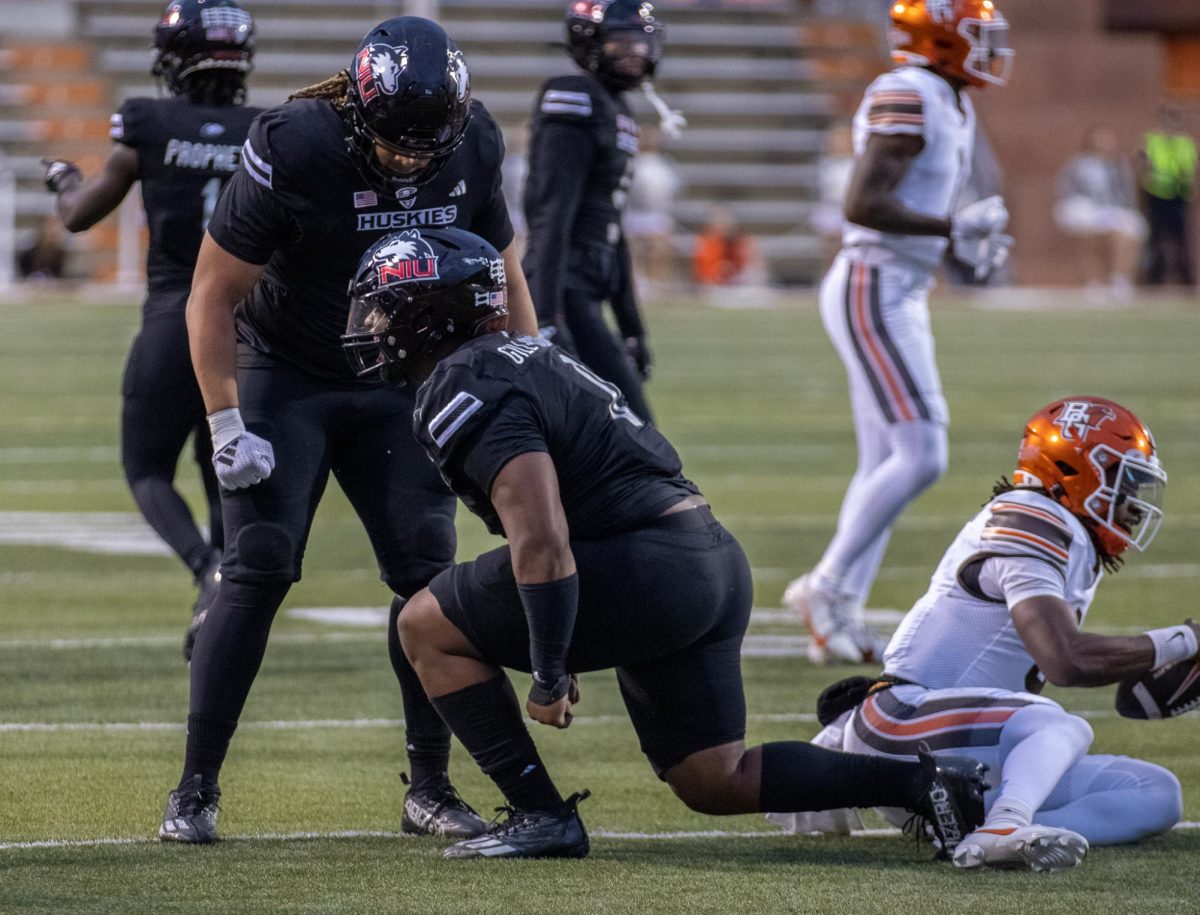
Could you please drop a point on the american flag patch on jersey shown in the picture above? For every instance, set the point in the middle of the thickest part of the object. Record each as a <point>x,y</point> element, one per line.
<point>1018,529</point>
<point>365,199</point>
<point>896,107</point>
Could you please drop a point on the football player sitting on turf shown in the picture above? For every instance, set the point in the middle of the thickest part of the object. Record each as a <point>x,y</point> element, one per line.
<point>1001,616</point>
<point>613,560</point>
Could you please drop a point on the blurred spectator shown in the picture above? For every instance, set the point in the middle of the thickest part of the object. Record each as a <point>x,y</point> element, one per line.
<point>1096,202</point>
<point>45,257</point>
<point>833,177</point>
<point>1168,179</point>
<point>649,225</point>
<point>725,255</point>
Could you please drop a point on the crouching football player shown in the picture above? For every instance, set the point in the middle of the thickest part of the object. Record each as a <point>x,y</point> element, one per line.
<point>614,560</point>
<point>1002,615</point>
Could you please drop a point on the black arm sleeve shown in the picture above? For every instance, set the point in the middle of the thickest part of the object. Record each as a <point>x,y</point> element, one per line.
<point>561,158</point>
<point>550,611</point>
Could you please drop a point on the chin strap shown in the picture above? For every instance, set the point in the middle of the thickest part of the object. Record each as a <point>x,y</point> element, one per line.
<point>670,120</point>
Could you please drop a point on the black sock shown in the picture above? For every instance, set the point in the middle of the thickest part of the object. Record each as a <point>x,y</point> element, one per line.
<point>799,776</point>
<point>487,719</point>
<point>426,735</point>
<point>207,743</point>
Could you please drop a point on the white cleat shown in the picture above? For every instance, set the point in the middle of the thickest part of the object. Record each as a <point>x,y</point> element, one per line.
<point>1042,849</point>
<point>834,638</point>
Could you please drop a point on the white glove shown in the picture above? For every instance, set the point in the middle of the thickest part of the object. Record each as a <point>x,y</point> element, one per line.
<point>670,120</point>
<point>976,234</point>
<point>240,458</point>
<point>986,255</point>
<point>979,219</point>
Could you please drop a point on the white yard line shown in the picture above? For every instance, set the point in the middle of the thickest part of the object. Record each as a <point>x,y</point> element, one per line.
<point>381,834</point>
<point>364,724</point>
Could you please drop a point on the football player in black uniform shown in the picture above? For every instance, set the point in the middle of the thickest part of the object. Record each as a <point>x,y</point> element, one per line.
<point>393,143</point>
<point>613,560</point>
<point>583,140</point>
<point>182,149</point>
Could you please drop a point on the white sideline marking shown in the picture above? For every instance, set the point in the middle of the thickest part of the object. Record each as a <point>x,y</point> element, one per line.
<point>314,724</point>
<point>382,834</point>
<point>100,454</point>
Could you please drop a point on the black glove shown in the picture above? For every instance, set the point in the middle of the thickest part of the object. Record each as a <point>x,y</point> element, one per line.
<point>59,172</point>
<point>639,352</point>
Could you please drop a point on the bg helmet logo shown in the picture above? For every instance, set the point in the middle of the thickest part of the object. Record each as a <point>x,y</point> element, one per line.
<point>1079,417</point>
<point>458,72</point>
<point>378,70</point>
<point>406,259</point>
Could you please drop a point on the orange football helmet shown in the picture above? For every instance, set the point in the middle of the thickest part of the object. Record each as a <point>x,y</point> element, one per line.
<point>1099,461</point>
<point>963,39</point>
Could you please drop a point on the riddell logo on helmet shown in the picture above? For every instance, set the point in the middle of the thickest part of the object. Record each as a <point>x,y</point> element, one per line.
<point>406,259</point>
<point>1079,417</point>
<point>378,68</point>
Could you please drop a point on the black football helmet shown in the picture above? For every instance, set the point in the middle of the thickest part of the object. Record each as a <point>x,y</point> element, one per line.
<point>414,290</point>
<point>410,93</point>
<point>620,41</point>
<point>194,36</point>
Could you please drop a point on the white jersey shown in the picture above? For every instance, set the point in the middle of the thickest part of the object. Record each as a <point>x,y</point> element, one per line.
<point>918,102</point>
<point>961,633</point>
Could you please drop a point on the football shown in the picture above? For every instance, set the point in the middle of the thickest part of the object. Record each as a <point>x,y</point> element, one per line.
<point>1163,693</point>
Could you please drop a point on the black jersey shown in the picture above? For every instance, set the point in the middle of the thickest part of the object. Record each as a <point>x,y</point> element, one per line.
<point>581,148</point>
<point>501,396</point>
<point>186,154</point>
<point>299,205</point>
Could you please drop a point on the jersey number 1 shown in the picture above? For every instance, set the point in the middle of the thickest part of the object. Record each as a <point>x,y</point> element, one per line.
<point>616,409</point>
<point>210,193</point>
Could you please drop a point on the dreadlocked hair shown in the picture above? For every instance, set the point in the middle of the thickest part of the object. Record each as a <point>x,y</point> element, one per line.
<point>335,90</point>
<point>214,88</point>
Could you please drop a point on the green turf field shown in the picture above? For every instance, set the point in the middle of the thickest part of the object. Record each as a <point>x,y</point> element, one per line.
<point>93,690</point>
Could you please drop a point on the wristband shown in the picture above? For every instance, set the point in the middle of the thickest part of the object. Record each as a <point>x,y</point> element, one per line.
<point>225,426</point>
<point>547,693</point>
<point>550,609</point>
<point>1171,644</point>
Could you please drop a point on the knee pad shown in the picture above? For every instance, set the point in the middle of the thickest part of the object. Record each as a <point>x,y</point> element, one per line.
<point>263,552</point>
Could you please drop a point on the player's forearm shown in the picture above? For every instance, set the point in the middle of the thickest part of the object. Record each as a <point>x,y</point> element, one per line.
<point>81,205</point>
<point>213,342</point>
<point>522,317</point>
<point>886,213</point>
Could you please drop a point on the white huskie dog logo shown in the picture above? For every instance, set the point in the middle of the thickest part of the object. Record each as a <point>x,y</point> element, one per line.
<point>378,68</point>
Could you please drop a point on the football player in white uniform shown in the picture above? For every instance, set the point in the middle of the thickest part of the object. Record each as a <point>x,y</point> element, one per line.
<point>1002,615</point>
<point>913,137</point>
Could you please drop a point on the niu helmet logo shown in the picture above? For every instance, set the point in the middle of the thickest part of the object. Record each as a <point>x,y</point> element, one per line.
<point>1079,417</point>
<point>378,68</point>
<point>407,259</point>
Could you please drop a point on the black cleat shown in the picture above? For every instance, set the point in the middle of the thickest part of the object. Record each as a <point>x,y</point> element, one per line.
<point>530,834</point>
<point>952,799</point>
<point>207,581</point>
<point>436,810</point>
<point>191,814</point>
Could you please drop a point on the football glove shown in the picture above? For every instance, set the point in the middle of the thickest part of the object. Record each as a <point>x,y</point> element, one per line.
<point>60,172</point>
<point>639,352</point>
<point>240,458</point>
<point>984,255</point>
<point>980,219</point>
<point>976,234</point>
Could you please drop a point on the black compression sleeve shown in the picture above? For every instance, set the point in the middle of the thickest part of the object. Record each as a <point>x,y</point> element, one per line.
<point>550,609</point>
